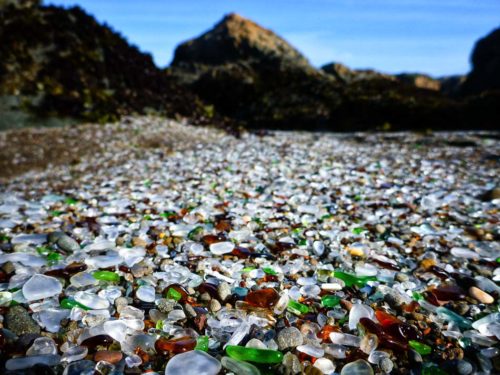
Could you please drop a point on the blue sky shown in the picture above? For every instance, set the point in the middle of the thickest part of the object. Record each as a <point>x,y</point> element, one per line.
<point>429,36</point>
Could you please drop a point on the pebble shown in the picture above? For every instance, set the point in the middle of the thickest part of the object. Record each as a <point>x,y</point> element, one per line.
<point>480,295</point>
<point>289,337</point>
<point>224,291</point>
<point>20,322</point>
<point>40,287</point>
<point>215,305</point>
<point>194,362</point>
<point>266,249</point>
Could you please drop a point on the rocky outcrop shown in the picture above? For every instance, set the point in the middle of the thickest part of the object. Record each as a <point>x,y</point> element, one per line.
<point>62,63</point>
<point>485,74</point>
<point>422,81</point>
<point>347,76</point>
<point>252,75</point>
<point>236,39</point>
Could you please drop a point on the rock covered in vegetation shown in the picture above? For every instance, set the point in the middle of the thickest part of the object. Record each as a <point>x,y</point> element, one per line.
<point>61,62</point>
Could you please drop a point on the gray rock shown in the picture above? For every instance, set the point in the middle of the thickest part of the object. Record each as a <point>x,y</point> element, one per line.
<point>289,337</point>
<point>224,291</point>
<point>19,321</point>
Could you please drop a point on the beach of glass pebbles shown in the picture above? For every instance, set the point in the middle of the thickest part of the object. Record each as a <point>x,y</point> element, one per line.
<point>272,253</point>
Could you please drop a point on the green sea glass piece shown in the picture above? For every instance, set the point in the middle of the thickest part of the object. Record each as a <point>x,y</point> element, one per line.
<point>68,303</point>
<point>254,355</point>
<point>330,301</point>
<point>351,280</point>
<point>297,307</point>
<point>202,343</point>
<point>173,294</point>
<point>106,276</point>
<point>269,271</point>
<point>420,347</point>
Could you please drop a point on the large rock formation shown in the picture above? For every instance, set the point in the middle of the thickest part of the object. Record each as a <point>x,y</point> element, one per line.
<point>251,74</point>
<point>348,76</point>
<point>485,74</point>
<point>62,63</point>
<point>236,39</point>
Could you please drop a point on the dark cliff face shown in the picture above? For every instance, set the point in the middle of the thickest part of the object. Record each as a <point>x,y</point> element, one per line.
<point>62,62</point>
<point>485,74</point>
<point>254,76</point>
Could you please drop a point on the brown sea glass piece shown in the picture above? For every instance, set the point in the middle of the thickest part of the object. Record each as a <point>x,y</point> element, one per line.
<point>100,340</point>
<point>386,340</point>
<point>263,297</point>
<point>175,346</point>
<point>448,293</point>
<point>241,252</point>
<point>211,289</point>
<point>324,334</point>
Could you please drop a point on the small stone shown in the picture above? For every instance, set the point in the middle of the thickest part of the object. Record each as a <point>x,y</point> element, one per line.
<point>386,365</point>
<point>480,295</point>
<point>292,364</point>
<point>380,229</point>
<point>138,241</point>
<point>19,321</point>
<point>108,356</point>
<point>215,305</point>
<point>224,291</point>
<point>64,241</point>
<point>120,303</point>
<point>359,367</point>
<point>68,244</point>
<point>289,337</point>
<point>40,287</point>
<point>165,305</point>
<point>194,362</point>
